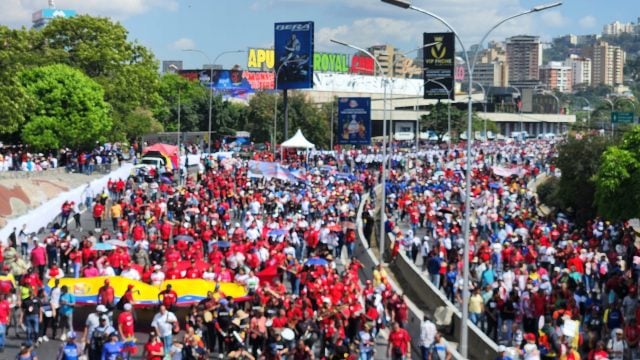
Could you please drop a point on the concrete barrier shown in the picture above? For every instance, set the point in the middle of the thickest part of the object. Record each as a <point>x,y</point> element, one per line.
<point>479,344</point>
<point>368,259</point>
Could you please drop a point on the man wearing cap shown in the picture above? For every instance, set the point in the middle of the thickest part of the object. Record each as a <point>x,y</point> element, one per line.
<point>112,349</point>
<point>69,350</point>
<point>168,297</point>
<point>98,337</point>
<point>501,353</point>
<point>617,345</point>
<point>126,322</point>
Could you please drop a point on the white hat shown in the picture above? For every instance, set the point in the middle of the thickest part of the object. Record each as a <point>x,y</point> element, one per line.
<point>502,348</point>
<point>101,308</point>
<point>127,306</point>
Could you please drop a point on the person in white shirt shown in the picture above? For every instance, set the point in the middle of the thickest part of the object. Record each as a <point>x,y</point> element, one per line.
<point>130,273</point>
<point>163,322</point>
<point>427,336</point>
<point>157,276</point>
<point>107,270</point>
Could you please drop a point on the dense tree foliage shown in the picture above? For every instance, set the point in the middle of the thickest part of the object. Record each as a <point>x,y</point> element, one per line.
<point>66,108</point>
<point>578,161</point>
<point>618,179</point>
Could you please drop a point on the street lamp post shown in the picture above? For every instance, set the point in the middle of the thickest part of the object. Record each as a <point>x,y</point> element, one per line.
<point>484,108</point>
<point>275,106</point>
<point>211,83</point>
<point>392,71</point>
<point>612,110</point>
<point>383,179</point>
<point>215,60</point>
<point>210,95</point>
<point>448,109</point>
<point>588,108</point>
<point>470,67</point>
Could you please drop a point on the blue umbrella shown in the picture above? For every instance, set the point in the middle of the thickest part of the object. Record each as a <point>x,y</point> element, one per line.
<point>184,238</point>
<point>102,246</point>
<point>222,244</point>
<point>277,232</point>
<point>316,262</point>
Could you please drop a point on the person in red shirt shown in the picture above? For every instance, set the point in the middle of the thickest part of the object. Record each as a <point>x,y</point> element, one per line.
<point>98,211</point>
<point>193,272</point>
<point>39,258</point>
<point>398,342</point>
<point>126,322</point>
<point>153,349</point>
<point>5,311</point>
<point>168,297</point>
<point>106,295</point>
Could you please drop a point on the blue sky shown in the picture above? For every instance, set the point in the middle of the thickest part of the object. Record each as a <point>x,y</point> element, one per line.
<point>214,26</point>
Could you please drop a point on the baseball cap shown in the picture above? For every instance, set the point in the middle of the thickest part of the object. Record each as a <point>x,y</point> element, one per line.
<point>502,348</point>
<point>71,335</point>
<point>127,306</point>
<point>101,308</point>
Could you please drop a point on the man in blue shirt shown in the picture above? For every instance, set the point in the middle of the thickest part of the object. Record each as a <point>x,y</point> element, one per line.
<point>69,350</point>
<point>67,302</point>
<point>113,348</point>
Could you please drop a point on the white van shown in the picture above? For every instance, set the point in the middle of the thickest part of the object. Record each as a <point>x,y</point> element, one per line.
<point>547,136</point>
<point>519,135</point>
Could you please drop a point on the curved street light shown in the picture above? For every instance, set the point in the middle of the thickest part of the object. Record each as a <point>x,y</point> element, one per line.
<point>393,71</point>
<point>211,83</point>
<point>383,180</point>
<point>467,202</point>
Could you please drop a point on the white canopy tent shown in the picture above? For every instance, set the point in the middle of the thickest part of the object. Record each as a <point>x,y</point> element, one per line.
<point>298,141</point>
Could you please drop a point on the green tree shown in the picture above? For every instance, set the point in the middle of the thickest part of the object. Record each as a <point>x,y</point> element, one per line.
<point>194,102</point>
<point>437,121</point>
<point>127,71</point>
<point>68,108</point>
<point>260,118</point>
<point>578,161</point>
<point>617,181</point>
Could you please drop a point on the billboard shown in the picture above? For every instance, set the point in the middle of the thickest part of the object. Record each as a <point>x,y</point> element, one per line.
<point>294,54</point>
<point>439,62</point>
<point>263,59</point>
<point>354,120</point>
<point>232,84</point>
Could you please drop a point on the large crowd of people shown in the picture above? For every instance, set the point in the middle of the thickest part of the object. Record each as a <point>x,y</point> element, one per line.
<point>541,286</point>
<point>289,244</point>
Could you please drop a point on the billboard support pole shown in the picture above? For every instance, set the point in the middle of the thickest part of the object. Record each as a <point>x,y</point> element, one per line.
<point>285,98</point>
<point>467,193</point>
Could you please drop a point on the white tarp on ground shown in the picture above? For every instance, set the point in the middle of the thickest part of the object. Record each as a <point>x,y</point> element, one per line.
<point>41,216</point>
<point>298,141</point>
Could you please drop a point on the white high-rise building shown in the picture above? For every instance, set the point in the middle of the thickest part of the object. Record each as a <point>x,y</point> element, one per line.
<point>617,28</point>
<point>580,69</point>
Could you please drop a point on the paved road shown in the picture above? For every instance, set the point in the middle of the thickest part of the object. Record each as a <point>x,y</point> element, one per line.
<point>48,350</point>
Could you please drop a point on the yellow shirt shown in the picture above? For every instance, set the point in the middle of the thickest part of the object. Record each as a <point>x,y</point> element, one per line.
<point>116,211</point>
<point>475,303</point>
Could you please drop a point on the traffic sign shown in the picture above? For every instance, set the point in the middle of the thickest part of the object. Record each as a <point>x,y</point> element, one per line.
<point>619,117</point>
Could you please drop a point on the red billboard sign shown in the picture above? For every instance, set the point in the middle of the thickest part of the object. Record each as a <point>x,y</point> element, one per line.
<point>362,65</point>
